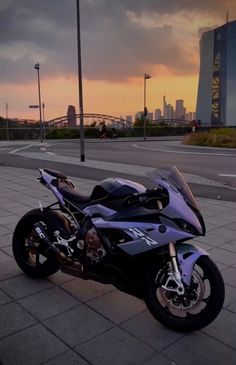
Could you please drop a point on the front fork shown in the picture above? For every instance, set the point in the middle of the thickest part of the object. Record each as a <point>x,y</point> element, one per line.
<point>183,256</point>
<point>175,274</point>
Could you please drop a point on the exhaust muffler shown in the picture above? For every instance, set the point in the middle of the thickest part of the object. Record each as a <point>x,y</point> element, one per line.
<point>51,249</point>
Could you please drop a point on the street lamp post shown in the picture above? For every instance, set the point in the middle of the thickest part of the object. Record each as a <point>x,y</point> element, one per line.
<point>80,86</point>
<point>37,67</point>
<point>6,106</point>
<point>146,77</point>
<point>44,123</point>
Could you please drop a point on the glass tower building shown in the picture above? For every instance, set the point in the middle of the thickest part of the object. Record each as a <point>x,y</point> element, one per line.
<point>216,100</point>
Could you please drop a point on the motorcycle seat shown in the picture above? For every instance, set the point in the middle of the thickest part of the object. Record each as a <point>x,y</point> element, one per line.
<point>57,174</point>
<point>74,195</point>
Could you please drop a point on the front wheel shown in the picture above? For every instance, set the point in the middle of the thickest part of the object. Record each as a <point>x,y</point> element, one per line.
<point>197,307</point>
<point>28,259</point>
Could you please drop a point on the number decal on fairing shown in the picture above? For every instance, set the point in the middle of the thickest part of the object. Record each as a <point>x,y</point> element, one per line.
<point>138,233</point>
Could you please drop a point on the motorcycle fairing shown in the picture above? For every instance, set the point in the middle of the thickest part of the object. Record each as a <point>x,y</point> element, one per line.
<point>187,256</point>
<point>144,236</point>
<point>48,178</point>
<point>177,208</point>
<point>99,209</point>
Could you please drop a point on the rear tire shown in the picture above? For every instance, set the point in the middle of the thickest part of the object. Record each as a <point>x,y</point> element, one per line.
<point>32,263</point>
<point>194,310</point>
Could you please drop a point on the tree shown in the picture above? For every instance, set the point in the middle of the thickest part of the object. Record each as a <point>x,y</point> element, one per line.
<point>140,122</point>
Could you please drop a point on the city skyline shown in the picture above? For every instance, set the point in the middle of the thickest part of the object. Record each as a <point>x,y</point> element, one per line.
<point>155,114</point>
<point>120,42</point>
<point>168,111</point>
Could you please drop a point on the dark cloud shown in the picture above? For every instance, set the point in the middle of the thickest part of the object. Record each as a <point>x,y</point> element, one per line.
<point>45,31</point>
<point>114,48</point>
<point>128,51</point>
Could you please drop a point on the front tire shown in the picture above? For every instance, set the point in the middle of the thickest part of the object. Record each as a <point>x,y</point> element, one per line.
<point>197,308</point>
<point>30,261</point>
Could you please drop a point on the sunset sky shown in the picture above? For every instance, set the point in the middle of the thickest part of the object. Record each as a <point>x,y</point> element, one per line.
<point>121,40</point>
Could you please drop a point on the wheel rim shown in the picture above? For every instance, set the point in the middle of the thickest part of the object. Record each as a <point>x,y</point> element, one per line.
<point>32,256</point>
<point>193,302</point>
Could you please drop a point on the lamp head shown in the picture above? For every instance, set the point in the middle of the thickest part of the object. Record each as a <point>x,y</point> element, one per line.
<point>146,76</point>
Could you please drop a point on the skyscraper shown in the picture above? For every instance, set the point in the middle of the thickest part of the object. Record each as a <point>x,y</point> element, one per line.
<point>169,111</point>
<point>157,114</point>
<point>180,109</point>
<point>217,78</point>
<point>71,116</point>
<point>128,119</point>
<point>150,116</point>
<point>164,107</point>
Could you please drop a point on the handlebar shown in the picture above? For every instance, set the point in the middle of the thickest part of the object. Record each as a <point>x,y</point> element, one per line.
<point>149,193</point>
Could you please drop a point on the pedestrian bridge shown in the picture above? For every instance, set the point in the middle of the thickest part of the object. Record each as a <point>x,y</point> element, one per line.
<point>89,118</point>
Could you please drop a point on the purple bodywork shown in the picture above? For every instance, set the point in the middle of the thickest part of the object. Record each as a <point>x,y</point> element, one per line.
<point>146,236</point>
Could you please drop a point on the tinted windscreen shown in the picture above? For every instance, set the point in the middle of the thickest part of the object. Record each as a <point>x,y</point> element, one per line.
<point>173,177</point>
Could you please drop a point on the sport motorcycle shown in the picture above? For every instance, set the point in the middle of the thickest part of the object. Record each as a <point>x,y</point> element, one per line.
<point>129,236</point>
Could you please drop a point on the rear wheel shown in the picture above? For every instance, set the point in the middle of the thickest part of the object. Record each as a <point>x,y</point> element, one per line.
<point>200,304</point>
<point>24,246</point>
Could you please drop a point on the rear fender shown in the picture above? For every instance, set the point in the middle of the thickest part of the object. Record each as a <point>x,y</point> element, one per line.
<point>187,256</point>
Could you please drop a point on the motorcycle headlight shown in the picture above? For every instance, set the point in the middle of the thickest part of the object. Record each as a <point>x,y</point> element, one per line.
<point>186,227</point>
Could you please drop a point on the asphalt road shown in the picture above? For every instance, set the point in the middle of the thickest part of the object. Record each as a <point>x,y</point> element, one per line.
<point>214,164</point>
<point>209,163</point>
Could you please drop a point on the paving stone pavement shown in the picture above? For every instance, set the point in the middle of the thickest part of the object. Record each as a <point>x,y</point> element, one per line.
<point>65,320</point>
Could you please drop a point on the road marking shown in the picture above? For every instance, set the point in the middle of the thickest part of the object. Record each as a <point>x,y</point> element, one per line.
<point>227,175</point>
<point>50,153</point>
<point>183,152</point>
<point>20,149</point>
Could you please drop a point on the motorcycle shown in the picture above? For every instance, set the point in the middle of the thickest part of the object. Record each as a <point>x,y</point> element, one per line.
<point>131,237</point>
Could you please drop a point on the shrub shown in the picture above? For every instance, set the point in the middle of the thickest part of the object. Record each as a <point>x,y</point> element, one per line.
<point>221,137</point>
<point>61,133</point>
